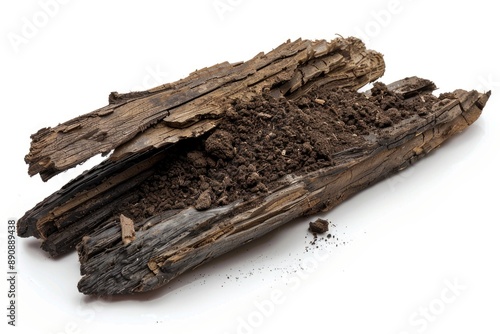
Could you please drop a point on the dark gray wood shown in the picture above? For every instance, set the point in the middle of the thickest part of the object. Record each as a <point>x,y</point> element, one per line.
<point>141,127</point>
<point>180,242</point>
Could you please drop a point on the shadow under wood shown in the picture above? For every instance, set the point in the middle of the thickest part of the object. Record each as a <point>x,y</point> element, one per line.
<point>34,246</point>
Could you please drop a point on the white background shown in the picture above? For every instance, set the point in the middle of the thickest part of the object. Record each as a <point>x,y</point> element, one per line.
<point>407,239</point>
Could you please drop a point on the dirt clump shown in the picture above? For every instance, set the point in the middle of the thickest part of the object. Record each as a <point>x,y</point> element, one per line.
<point>260,141</point>
<point>220,145</point>
<point>318,226</point>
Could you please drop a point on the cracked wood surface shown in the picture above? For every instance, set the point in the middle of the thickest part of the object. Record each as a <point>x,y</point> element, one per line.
<point>139,121</point>
<point>139,126</point>
<point>63,218</point>
<point>291,70</point>
<point>170,244</point>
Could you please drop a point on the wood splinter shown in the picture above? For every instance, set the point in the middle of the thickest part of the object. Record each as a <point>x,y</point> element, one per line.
<point>128,231</point>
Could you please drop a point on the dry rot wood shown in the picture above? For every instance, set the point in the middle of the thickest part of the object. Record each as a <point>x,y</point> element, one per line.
<point>228,154</point>
<point>163,115</point>
<point>139,126</point>
<point>382,145</point>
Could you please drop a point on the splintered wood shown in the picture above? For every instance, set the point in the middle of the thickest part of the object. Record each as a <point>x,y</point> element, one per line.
<point>128,231</point>
<point>190,107</point>
<point>140,121</point>
<point>206,164</point>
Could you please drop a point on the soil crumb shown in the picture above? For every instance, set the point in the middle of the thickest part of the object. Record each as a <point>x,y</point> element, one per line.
<point>318,226</point>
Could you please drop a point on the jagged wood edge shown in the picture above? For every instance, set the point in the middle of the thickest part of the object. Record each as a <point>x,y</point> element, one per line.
<point>80,206</point>
<point>190,238</point>
<point>171,108</point>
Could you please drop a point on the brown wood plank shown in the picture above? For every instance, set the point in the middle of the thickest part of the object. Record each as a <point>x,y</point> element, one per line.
<point>190,238</point>
<point>56,149</point>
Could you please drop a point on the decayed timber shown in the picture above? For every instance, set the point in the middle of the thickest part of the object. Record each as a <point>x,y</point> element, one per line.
<point>166,246</point>
<point>82,205</point>
<point>139,121</point>
<point>137,125</point>
<point>122,256</point>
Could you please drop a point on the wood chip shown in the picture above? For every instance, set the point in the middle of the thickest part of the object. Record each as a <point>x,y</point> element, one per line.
<point>128,231</point>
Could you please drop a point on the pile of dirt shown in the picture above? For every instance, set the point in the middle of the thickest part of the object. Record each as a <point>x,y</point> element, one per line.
<point>260,141</point>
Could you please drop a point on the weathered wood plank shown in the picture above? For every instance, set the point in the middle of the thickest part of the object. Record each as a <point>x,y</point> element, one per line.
<point>203,94</point>
<point>119,255</point>
<point>190,238</point>
<point>61,219</point>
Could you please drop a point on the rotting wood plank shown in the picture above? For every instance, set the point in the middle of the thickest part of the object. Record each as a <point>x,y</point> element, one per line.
<point>291,70</point>
<point>190,238</point>
<point>202,95</point>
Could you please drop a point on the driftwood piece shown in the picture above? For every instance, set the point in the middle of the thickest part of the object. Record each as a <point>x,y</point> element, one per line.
<point>119,255</point>
<point>167,246</point>
<point>139,125</point>
<point>140,121</point>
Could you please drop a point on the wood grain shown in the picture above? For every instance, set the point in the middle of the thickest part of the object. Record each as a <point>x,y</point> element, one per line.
<point>140,121</point>
<point>140,125</point>
<point>177,243</point>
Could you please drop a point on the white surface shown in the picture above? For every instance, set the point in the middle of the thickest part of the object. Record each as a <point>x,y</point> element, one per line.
<point>407,238</point>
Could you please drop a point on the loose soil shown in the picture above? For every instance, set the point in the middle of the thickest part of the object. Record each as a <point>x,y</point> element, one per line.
<point>260,141</point>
